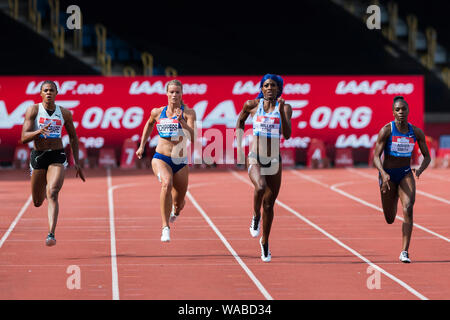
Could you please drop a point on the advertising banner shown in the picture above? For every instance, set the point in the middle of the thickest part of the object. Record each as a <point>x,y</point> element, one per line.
<point>342,111</point>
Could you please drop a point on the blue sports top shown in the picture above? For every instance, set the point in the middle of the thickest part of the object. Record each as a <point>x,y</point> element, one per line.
<point>169,127</point>
<point>400,144</point>
<point>267,124</point>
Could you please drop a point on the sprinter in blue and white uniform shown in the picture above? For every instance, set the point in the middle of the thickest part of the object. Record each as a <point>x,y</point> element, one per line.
<point>175,124</point>
<point>271,118</point>
<point>43,125</point>
<point>396,140</point>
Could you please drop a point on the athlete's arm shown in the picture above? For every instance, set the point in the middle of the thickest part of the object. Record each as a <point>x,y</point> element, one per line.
<point>148,128</point>
<point>28,134</point>
<point>73,138</point>
<point>286,114</point>
<point>421,141</point>
<point>188,123</point>
<point>240,126</point>
<point>379,147</point>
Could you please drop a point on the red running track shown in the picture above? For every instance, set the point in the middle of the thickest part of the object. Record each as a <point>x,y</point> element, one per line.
<point>328,240</point>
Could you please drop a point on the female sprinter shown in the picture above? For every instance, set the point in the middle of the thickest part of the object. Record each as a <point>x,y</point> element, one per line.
<point>43,125</point>
<point>396,179</point>
<point>271,118</point>
<point>174,122</point>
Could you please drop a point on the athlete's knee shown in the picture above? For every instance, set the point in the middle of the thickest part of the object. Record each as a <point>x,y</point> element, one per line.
<point>390,220</point>
<point>408,206</point>
<point>166,184</point>
<point>268,205</point>
<point>408,215</point>
<point>260,189</point>
<point>38,202</point>
<point>390,217</point>
<point>52,193</point>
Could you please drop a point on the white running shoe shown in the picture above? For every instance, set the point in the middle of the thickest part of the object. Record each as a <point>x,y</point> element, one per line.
<point>165,236</point>
<point>404,257</point>
<point>263,256</point>
<point>173,216</point>
<point>255,228</point>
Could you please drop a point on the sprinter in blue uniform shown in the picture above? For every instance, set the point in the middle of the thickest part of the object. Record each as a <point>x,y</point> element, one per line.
<point>271,118</point>
<point>396,140</point>
<point>175,124</point>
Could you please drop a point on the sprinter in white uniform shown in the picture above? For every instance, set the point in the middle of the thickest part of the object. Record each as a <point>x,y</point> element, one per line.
<point>43,125</point>
<point>271,118</point>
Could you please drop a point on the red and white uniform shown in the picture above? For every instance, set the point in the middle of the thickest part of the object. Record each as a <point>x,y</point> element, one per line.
<point>56,119</point>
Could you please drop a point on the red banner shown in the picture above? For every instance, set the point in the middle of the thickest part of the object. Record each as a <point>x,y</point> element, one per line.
<point>345,111</point>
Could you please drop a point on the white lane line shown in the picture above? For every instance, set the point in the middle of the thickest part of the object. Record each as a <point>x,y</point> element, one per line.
<point>112,228</point>
<point>437,177</point>
<point>336,240</point>
<point>230,248</point>
<point>112,232</point>
<point>16,220</point>
<point>348,195</point>
<point>426,194</point>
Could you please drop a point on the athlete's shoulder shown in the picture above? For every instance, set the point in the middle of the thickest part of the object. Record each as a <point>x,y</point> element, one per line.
<point>34,107</point>
<point>67,115</point>
<point>386,126</point>
<point>189,111</point>
<point>417,131</point>
<point>64,110</point>
<point>386,130</point>
<point>251,104</point>
<point>157,111</point>
<point>33,110</point>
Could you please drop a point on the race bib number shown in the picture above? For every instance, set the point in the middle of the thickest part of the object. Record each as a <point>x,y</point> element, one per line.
<point>55,127</point>
<point>402,144</point>
<point>267,126</point>
<point>167,127</point>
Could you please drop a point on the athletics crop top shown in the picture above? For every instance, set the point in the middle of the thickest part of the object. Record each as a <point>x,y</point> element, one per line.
<point>400,144</point>
<point>56,119</point>
<point>267,124</point>
<point>169,127</point>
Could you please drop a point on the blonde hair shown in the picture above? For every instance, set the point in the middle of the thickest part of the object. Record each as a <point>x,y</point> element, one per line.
<point>177,83</point>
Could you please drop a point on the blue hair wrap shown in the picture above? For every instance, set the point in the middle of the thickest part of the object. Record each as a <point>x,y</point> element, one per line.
<point>275,78</point>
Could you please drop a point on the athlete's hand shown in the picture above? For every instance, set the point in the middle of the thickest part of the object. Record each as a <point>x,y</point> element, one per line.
<point>44,130</point>
<point>281,105</point>
<point>179,114</point>
<point>140,152</point>
<point>79,173</point>
<point>417,173</point>
<point>385,182</point>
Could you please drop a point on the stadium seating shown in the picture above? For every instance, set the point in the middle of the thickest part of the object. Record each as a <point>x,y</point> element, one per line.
<point>28,53</point>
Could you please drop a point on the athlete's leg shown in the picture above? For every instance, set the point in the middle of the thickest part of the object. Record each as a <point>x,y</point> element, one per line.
<point>55,180</point>
<point>38,185</point>
<point>259,182</point>
<point>270,195</point>
<point>180,186</point>
<point>164,173</point>
<point>407,194</point>
<point>389,201</point>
